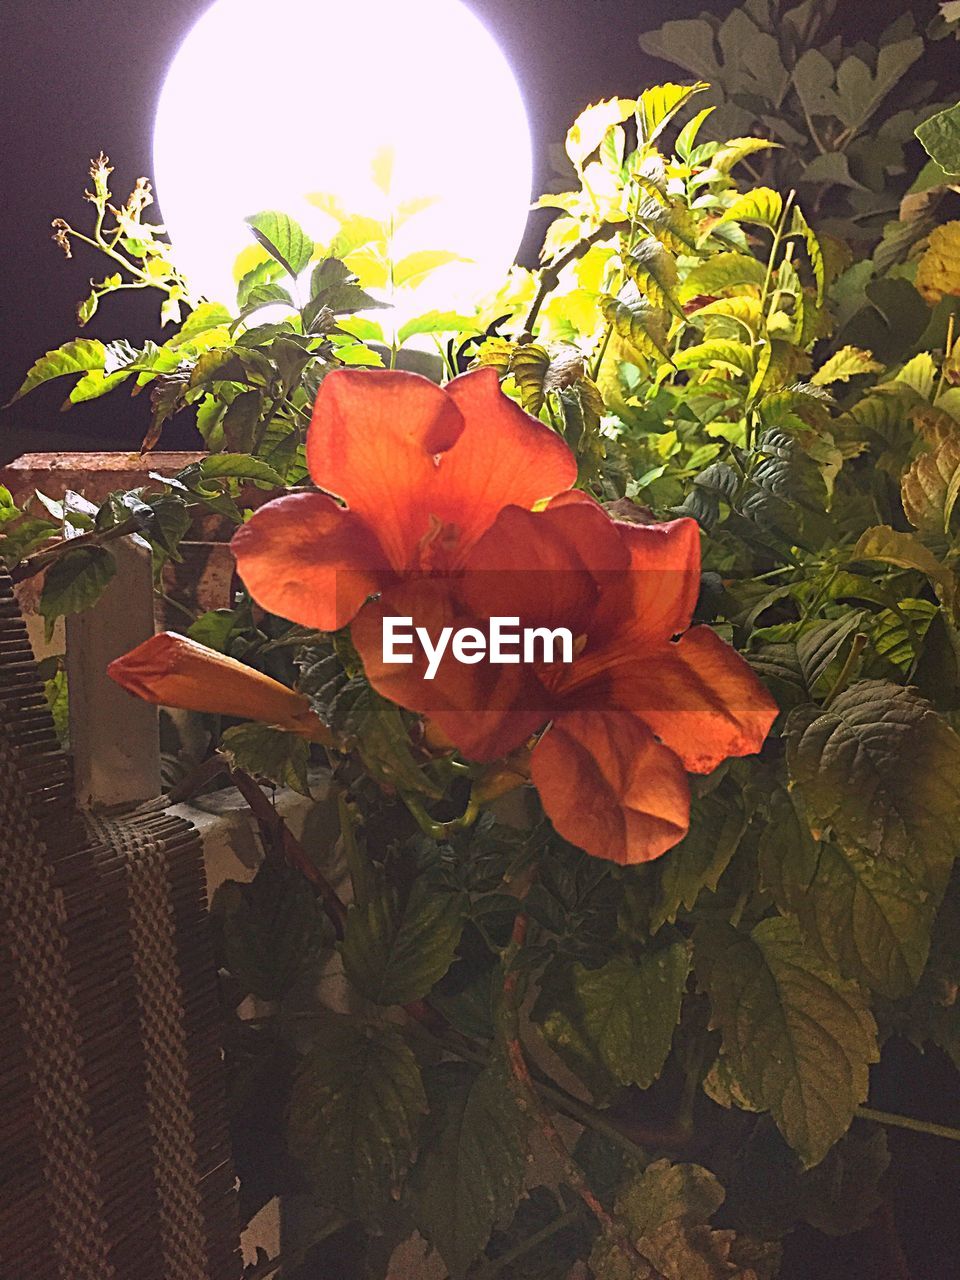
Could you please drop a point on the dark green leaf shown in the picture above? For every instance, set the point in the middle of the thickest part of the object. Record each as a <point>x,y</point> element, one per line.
<point>270,753</point>
<point>284,239</point>
<point>471,1169</point>
<point>940,136</point>
<point>797,1039</point>
<point>355,1115</point>
<point>394,954</point>
<point>240,466</point>
<point>75,582</point>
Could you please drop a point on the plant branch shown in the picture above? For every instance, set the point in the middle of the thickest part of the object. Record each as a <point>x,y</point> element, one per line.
<point>279,839</point>
<point>907,1122</point>
<point>497,1265</point>
<point>40,560</point>
<point>550,276</point>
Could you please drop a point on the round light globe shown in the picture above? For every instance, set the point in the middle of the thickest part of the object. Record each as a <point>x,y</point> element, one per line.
<point>281,105</point>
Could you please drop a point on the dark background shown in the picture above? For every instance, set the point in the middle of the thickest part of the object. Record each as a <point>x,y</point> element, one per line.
<point>78,76</point>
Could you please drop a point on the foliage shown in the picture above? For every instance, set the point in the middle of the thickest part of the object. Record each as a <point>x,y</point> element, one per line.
<point>707,347</point>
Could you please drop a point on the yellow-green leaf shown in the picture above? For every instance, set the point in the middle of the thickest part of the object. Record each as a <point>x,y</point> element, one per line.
<point>847,363</point>
<point>761,205</point>
<point>653,269</point>
<point>588,130</point>
<point>657,106</point>
<point>938,272</point>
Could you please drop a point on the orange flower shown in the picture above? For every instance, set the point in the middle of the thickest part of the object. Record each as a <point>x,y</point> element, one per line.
<point>423,471</point>
<point>636,708</point>
<point>175,671</point>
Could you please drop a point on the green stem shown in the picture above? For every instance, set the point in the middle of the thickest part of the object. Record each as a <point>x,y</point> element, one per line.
<point>360,874</point>
<point>907,1122</point>
<point>441,830</point>
<point>602,351</point>
<point>856,648</point>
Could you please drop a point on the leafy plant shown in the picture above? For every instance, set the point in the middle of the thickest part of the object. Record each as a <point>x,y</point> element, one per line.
<point>688,1042</point>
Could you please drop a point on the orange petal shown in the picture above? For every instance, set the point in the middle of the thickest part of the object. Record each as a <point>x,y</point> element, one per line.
<point>484,710</point>
<point>175,671</point>
<point>545,567</point>
<point>304,558</point>
<point>609,787</point>
<point>661,591</point>
<point>411,458</point>
<point>374,441</point>
<point>697,695</point>
<point>504,457</point>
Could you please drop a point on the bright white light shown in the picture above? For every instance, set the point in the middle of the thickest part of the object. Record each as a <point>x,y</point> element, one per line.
<point>270,101</point>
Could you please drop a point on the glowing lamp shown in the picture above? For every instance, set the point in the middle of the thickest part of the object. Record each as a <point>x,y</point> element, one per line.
<point>386,106</point>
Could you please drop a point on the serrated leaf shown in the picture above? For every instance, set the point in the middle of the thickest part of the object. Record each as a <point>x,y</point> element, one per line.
<point>438,322</point>
<point>724,271</point>
<point>239,466</point>
<point>929,488</point>
<point>283,238</point>
<point>665,1212</point>
<point>800,226</point>
<point>848,362</point>
<point>395,954</point>
<point>653,269</point>
<point>881,769</point>
<point>271,930</point>
<point>354,1116</point>
<point>717,352</point>
<point>644,327</point>
<point>717,824</point>
<point>75,581</point>
<point>78,356</point>
<point>628,1010</point>
<point>761,205</point>
<point>657,106</point>
<point>938,271</point>
<point>797,1039</point>
<point>673,224</point>
<point>587,131</point>
<point>730,153</point>
<point>529,365</point>
<point>940,137</point>
<point>270,753</point>
<point>469,1176</point>
<point>905,551</point>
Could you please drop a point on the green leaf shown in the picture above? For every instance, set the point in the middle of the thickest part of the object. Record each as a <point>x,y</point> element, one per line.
<point>78,356</point>
<point>239,466</point>
<point>284,239</point>
<point>629,1008</point>
<point>355,1115</point>
<point>657,106</point>
<point>905,551</point>
<point>881,769</point>
<point>665,1211</point>
<point>75,581</point>
<point>653,269</point>
<point>717,825</point>
<point>760,205</point>
<point>270,753</point>
<point>729,155</point>
<point>797,1039</point>
<point>241,420</point>
<point>272,930</point>
<point>674,224</point>
<point>438,322</point>
<point>588,130</point>
<point>395,954</point>
<point>415,267</point>
<point>471,1169</point>
<point>940,136</point>
<point>847,363</point>
<point>724,271</point>
<point>644,327</point>
<point>207,316</point>
<point>724,352</point>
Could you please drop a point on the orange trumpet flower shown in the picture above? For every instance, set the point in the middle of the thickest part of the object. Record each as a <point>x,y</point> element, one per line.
<point>423,471</point>
<point>645,699</point>
<point>175,671</point>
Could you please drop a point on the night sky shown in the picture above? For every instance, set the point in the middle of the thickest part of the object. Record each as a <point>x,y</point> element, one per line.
<point>80,75</point>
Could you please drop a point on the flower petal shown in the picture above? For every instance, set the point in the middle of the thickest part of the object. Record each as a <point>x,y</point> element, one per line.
<point>697,695</point>
<point>609,787</point>
<point>546,568</point>
<point>304,558</point>
<point>661,591</point>
<point>485,710</point>
<point>504,457</point>
<point>374,441</point>
<point>174,671</point>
